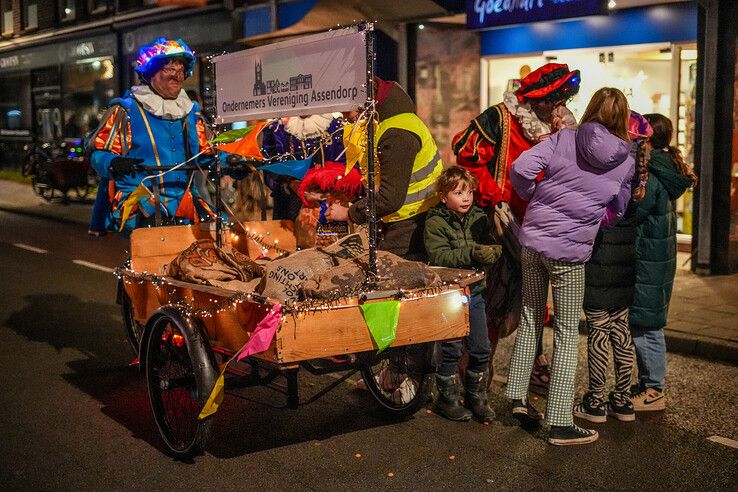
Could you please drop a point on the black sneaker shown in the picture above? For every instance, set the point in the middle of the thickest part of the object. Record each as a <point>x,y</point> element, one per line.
<point>525,412</point>
<point>570,435</point>
<point>620,406</point>
<point>591,408</point>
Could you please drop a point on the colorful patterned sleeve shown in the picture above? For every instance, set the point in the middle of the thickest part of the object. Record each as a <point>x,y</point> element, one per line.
<point>203,137</point>
<point>473,152</point>
<point>112,139</point>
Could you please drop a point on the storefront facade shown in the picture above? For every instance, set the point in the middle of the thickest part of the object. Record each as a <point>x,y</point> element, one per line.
<point>679,59</point>
<point>54,91</point>
<point>649,53</point>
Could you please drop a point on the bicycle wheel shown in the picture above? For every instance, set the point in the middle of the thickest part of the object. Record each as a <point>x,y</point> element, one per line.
<point>81,192</point>
<point>134,329</point>
<point>180,373</point>
<point>30,164</point>
<point>400,380</point>
<point>42,189</point>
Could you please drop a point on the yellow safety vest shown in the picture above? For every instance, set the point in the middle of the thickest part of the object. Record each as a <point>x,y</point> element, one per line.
<point>421,193</point>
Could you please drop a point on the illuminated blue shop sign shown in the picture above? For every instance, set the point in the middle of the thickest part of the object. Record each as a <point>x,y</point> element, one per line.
<point>481,14</point>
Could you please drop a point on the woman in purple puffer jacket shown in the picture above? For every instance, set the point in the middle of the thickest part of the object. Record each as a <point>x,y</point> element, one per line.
<point>586,183</point>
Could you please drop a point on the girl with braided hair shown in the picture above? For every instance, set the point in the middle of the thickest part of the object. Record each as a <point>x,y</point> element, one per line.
<point>669,177</point>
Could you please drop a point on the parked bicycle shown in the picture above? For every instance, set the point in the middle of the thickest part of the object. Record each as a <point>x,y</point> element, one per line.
<point>58,168</point>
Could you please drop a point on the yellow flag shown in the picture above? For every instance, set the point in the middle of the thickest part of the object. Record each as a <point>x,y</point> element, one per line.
<point>215,398</point>
<point>354,140</point>
<point>132,202</point>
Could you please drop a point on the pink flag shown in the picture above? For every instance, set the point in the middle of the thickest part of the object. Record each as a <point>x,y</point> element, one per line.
<point>263,334</point>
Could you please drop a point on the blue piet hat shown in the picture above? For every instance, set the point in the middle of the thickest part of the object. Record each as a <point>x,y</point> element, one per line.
<point>153,56</point>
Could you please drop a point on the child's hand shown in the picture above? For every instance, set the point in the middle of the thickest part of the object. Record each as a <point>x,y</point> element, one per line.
<point>486,254</point>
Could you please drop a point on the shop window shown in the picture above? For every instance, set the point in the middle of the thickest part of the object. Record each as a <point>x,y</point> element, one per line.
<point>88,85</point>
<point>30,14</point>
<point>15,105</point>
<point>7,17</point>
<point>67,10</point>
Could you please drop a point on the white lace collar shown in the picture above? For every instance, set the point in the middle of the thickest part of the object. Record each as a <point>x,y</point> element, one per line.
<point>533,127</point>
<point>310,127</point>
<point>168,109</point>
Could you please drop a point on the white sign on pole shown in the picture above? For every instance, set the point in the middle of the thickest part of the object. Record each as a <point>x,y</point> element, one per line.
<point>309,75</point>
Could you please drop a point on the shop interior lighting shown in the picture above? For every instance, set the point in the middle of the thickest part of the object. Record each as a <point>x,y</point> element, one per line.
<point>421,26</point>
<point>612,4</point>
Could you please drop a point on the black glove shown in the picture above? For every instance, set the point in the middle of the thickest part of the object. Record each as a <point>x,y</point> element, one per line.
<point>486,254</point>
<point>122,166</point>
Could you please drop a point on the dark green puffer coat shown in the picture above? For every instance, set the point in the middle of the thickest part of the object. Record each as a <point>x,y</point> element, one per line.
<point>449,239</point>
<point>656,242</point>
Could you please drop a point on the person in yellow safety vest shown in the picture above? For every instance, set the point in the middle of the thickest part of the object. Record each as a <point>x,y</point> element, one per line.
<point>409,166</point>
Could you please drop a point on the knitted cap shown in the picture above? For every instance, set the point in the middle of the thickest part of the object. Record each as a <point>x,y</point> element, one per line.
<point>638,127</point>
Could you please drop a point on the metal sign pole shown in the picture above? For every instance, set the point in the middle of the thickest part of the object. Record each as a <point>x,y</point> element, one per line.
<point>218,204</point>
<point>371,201</point>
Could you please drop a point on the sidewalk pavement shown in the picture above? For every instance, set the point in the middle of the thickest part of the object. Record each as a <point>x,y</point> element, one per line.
<point>20,198</point>
<point>703,315</point>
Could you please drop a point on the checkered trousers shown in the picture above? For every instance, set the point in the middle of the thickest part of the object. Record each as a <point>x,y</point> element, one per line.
<point>567,285</point>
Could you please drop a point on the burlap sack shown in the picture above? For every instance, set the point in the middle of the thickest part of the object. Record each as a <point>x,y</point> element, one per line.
<point>342,280</point>
<point>283,277</point>
<point>397,273</point>
<point>204,263</point>
<point>349,277</point>
<point>349,247</point>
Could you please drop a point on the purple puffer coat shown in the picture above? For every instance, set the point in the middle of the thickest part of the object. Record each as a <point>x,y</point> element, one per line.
<point>585,172</point>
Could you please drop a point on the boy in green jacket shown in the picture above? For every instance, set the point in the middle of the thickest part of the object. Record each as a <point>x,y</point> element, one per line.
<point>458,235</point>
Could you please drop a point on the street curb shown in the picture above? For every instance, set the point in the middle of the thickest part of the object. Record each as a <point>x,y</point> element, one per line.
<point>694,345</point>
<point>705,347</point>
<point>43,215</point>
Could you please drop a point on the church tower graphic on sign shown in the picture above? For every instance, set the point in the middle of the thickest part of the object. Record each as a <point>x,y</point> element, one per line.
<point>259,86</point>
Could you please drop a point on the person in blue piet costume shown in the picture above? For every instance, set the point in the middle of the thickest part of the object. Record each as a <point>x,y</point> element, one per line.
<point>318,138</point>
<point>154,124</point>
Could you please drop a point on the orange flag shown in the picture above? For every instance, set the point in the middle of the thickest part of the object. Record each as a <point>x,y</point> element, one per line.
<point>248,146</point>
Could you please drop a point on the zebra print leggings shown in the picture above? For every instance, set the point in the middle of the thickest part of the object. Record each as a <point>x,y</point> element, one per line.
<point>609,325</point>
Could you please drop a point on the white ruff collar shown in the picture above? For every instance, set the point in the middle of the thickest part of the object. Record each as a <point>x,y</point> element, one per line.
<point>310,127</point>
<point>533,128</point>
<point>168,109</point>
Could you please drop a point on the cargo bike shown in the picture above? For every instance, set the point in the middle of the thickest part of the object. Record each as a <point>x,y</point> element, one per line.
<point>184,332</point>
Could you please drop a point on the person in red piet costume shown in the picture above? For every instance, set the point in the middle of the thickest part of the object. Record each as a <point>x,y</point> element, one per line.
<point>487,148</point>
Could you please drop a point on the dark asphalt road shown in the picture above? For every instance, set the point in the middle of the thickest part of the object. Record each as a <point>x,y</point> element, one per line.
<point>77,417</point>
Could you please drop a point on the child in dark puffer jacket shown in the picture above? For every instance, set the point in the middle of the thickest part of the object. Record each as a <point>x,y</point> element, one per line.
<point>458,235</point>
<point>610,277</point>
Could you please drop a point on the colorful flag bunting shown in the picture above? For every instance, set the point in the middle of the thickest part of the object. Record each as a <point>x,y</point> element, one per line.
<point>295,169</point>
<point>259,341</point>
<point>381,319</point>
<point>132,202</point>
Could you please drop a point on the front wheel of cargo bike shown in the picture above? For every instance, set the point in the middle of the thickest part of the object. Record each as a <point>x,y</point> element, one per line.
<point>400,380</point>
<point>180,374</point>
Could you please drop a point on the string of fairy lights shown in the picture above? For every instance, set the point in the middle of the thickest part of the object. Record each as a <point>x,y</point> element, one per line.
<point>337,299</point>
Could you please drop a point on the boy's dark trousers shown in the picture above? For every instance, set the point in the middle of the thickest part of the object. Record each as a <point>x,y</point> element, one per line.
<point>477,342</point>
